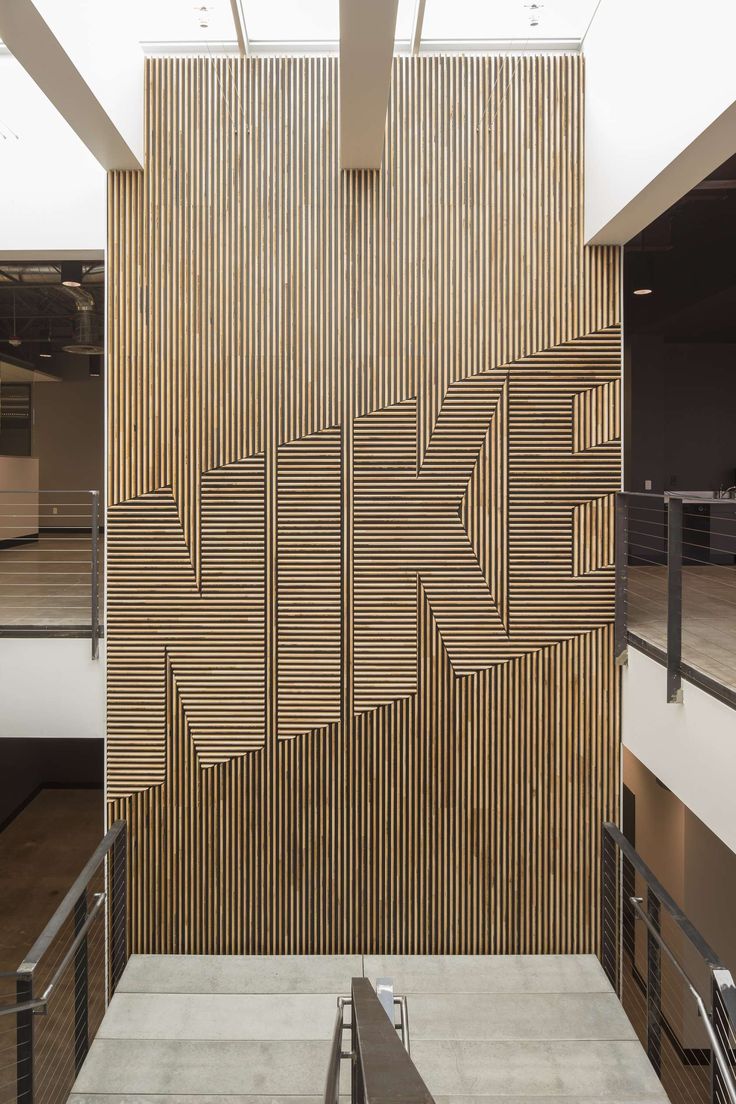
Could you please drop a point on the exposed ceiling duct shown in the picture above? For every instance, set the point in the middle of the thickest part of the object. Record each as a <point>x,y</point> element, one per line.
<point>45,305</point>
<point>86,340</point>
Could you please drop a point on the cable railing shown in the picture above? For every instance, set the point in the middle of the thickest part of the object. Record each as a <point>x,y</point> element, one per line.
<point>381,1069</point>
<point>65,982</point>
<point>51,564</point>
<point>676,992</point>
<point>676,587</point>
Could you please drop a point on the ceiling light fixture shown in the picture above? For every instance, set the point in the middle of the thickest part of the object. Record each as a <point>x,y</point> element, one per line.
<point>46,356</point>
<point>643,291</point>
<point>71,273</point>
<point>534,10</point>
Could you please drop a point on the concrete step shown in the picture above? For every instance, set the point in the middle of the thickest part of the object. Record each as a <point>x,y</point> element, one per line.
<point>240,973</point>
<point>251,1030</point>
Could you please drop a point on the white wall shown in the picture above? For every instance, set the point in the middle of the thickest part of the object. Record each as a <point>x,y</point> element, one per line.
<point>51,687</point>
<point>660,107</point>
<point>690,747</point>
<point>52,190</point>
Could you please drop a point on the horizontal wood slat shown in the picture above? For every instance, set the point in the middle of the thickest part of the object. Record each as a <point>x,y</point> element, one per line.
<point>363,432</point>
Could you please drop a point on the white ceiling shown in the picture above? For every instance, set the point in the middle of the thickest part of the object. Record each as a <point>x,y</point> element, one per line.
<point>305,22</point>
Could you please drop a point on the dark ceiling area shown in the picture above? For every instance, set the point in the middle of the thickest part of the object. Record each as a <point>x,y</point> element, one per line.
<point>48,309</point>
<point>687,258</point>
<point>680,343</point>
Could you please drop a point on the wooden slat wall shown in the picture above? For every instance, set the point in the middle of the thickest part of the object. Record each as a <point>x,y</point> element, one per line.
<point>361,692</point>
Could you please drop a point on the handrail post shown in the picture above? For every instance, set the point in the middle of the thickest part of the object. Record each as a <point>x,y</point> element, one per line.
<point>654,987</point>
<point>357,1093</point>
<point>621,561</point>
<point>95,588</point>
<point>609,909</point>
<point>716,1086</point>
<point>118,910</point>
<point>81,987</point>
<point>24,1040</point>
<point>674,599</point>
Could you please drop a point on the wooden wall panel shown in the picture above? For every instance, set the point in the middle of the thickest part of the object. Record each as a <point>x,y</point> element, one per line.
<point>361,691</point>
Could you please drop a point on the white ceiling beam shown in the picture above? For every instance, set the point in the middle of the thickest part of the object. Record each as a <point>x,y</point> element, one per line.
<point>85,57</point>
<point>417,24</point>
<point>240,28</point>
<point>367,32</point>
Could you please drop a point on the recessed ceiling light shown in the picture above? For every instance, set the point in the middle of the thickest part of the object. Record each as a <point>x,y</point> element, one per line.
<point>642,291</point>
<point>45,354</point>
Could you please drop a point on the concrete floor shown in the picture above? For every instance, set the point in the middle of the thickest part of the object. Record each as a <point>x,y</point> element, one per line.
<point>708,615</point>
<point>47,581</point>
<point>259,1029</point>
<point>41,852</point>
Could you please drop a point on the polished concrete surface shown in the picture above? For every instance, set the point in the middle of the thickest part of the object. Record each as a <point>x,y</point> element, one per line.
<point>708,615</point>
<point>41,852</point>
<point>259,1029</point>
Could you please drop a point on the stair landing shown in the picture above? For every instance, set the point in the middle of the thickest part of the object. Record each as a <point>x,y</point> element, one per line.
<point>518,1028</point>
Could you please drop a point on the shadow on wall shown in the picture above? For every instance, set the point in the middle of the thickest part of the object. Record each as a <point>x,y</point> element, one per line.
<point>28,766</point>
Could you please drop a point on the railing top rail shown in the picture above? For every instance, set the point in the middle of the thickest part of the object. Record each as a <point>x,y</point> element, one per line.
<point>65,909</point>
<point>641,494</point>
<point>669,903</point>
<point>688,499</point>
<point>389,1075</point>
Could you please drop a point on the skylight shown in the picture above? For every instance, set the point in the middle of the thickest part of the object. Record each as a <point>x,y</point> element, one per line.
<point>292,20</point>
<point>310,24</point>
<point>192,21</point>
<point>491,20</point>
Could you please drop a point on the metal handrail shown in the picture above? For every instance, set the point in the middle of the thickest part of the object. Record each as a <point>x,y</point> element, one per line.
<point>42,1002</point>
<point>720,1022</point>
<point>108,863</point>
<point>667,538</point>
<point>382,1068</point>
<point>332,1088</point>
<point>95,627</point>
<point>67,905</point>
<point>702,1010</point>
<point>684,924</point>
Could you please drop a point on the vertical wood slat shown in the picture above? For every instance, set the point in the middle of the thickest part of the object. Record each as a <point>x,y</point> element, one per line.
<point>257,297</point>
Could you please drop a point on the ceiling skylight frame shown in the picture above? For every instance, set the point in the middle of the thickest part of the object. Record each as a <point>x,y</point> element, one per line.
<point>415,24</point>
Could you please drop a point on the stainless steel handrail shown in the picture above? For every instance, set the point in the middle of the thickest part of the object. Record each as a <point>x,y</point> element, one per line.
<point>66,907</point>
<point>620,866</point>
<point>332,1087</point>
<point>382,1069</point>
<point>96,900</point>
<point>42,1001</point>
<point>681,920</point>
<point>723,1064</point>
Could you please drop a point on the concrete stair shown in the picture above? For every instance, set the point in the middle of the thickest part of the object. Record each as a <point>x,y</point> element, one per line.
<point>186,1029</point>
